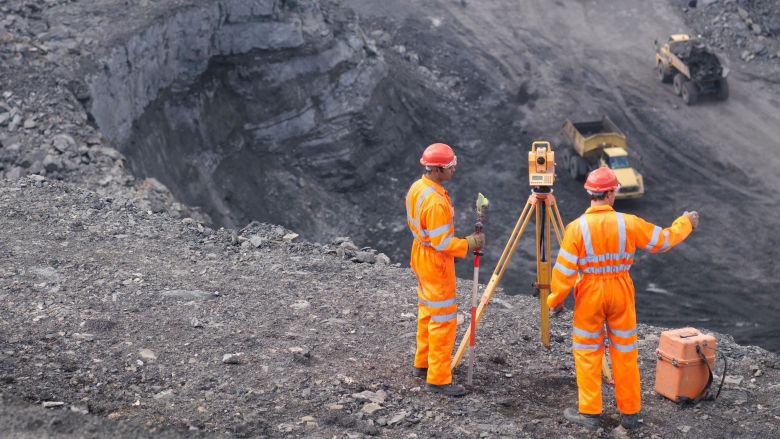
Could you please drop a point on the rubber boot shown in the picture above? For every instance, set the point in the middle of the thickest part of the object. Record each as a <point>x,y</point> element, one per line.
<point>630,422</point>
<point>447,389</point>
<point>419,371</point>
<point>591,422</point>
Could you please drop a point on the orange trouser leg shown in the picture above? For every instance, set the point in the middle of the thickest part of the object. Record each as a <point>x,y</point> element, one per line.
<point>588,343</point>
<point>435,341</point>
<point>421,355</point>
<point>621,324</point>
<point>626,373</point>
<point>436,324</point>
<point>588,366</point>
<point>441,339</point>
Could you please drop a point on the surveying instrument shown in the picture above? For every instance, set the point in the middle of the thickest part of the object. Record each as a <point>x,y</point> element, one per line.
<point>541,203</point>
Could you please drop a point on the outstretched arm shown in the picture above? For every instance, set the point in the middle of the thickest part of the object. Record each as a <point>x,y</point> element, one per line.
<point>654,239</point>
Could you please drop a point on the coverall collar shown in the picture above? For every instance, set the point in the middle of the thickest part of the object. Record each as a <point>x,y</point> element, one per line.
<point>596,209</point>
<point>436,186</point>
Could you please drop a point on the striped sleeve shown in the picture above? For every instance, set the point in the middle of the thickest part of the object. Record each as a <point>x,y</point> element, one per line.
<point>441,231</point>
<point>654,239</point>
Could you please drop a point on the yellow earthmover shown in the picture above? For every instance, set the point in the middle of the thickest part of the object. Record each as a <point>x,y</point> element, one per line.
<point>691,67</point>
<point>592,144</point>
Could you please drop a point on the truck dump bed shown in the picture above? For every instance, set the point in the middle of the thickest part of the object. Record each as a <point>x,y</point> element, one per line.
<point>702,64</point>
<point>588,138</point>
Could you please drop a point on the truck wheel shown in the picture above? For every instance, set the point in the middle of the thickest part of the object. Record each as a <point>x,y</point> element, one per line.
<point>664,74</point>
<point>723,89</point>
<point>689,93</point>
<point>582,167</point>
<point>678,82</point>
<point>573,168</point>
<point>564,155</point>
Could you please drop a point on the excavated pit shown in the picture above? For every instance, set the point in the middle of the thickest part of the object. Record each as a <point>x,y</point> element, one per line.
<point>284,113</point>
<point>287,114</point>
<point>272,123</point>
<point>301,114</point>
<point>274,136</point>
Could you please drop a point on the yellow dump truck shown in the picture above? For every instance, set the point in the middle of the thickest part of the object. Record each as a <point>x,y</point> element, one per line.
<point>593,144</point>
<point>692,68</point>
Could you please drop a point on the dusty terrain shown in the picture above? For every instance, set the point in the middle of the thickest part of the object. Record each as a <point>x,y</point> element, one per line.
<point>127,312</point>
<point>113,311</point>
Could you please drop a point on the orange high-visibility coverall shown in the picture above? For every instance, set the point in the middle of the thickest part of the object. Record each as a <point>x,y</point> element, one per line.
<point>429,214</point>
<point>600,245</point>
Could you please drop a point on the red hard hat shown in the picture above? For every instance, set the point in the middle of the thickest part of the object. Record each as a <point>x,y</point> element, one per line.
<point>439,155</point>
<point>601,180</point>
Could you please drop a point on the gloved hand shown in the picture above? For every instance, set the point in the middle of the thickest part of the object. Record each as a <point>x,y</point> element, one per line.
<point>476,241</point>
<point>558,310</point>
<point>693,216</point>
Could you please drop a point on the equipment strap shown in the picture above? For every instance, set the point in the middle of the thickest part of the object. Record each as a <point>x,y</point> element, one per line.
<point>723,378</point>
<point>703,395</point>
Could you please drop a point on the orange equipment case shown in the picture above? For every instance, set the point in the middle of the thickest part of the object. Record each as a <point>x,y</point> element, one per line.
<point>680,372</point>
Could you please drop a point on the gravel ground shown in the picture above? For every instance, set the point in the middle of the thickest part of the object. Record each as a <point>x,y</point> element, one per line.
<point>135,320</point>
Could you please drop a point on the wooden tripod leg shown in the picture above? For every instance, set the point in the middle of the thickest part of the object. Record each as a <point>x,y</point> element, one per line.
<point>557,223</point>
<point>605,368</point>
<point>512,238</point>
<point>543,270</point>
<point>522,222</point>
<point>560,223</point>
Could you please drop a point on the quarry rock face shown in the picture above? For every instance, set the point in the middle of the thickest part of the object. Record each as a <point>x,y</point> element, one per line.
<point>233,104</point>
<point>177,51</point>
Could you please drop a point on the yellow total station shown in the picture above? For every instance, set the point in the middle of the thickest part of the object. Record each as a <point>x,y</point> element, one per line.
<point>541,164</point>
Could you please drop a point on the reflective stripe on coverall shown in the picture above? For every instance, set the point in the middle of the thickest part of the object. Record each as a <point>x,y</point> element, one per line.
<point>430,216</point>
<point>600,244</point>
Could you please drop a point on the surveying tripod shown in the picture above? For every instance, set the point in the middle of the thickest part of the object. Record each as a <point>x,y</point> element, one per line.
<point>542,203</point>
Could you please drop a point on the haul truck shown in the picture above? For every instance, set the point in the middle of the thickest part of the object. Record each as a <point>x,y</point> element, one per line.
<point>590,145</point>
<point>691,67</point>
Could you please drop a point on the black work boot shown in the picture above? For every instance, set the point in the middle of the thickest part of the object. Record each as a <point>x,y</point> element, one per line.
<point>419,371</point>
<point>629,422</point>
<point>591,422</point>
<point>446,389</point>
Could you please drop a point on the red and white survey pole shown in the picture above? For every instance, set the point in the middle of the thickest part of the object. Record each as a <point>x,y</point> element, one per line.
<point>482,204</point>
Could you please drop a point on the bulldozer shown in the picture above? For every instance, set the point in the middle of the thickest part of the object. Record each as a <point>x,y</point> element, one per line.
<point>692,68</point>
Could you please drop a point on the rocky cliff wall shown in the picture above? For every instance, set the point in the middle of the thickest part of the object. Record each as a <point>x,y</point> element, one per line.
<point>242,106</point>
<point>176,50</point>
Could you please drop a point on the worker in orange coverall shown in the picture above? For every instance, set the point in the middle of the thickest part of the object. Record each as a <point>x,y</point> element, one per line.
<point>430,216</point>
<point>600,245</point>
